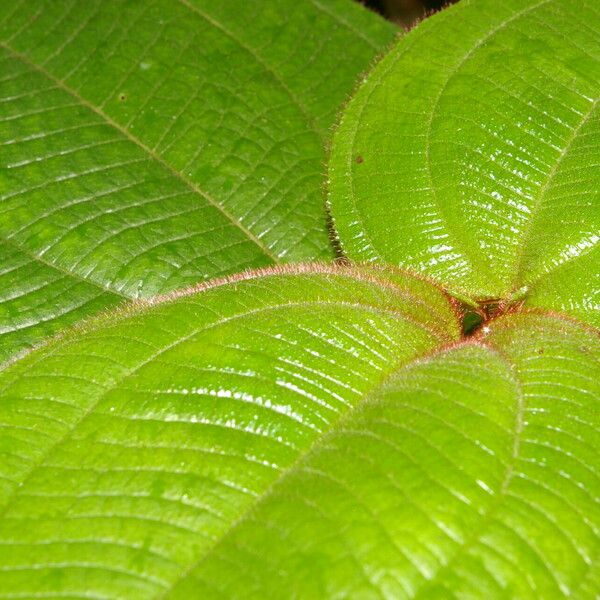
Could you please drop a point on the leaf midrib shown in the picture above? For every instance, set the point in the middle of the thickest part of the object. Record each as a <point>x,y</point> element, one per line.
<point>198,192</point>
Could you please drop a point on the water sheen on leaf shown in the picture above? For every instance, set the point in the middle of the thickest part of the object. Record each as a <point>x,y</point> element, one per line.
<point>303,432</point>
<point>148,146</point>
<point>472,152</point>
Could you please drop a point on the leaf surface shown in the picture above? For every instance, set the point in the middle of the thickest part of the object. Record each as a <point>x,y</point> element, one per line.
<point>471,154</point>
<point>307,431</point>
<point>148,146</point>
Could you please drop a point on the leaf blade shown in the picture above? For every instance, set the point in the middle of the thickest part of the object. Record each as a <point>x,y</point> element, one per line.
<point>506,517</point>
<point>316,311</point>
<point>485,173</point>
<point>147,163</point>
<point>278,419</point>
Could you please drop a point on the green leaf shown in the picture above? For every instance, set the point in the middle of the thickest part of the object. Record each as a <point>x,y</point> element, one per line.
<point>148,146</point>
<point>303,432</point>
<point>471,154</point>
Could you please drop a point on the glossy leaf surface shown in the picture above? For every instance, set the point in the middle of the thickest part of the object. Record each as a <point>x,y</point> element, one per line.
<point>471,154</point>
<point>148,146</point>
<point>308,433</point>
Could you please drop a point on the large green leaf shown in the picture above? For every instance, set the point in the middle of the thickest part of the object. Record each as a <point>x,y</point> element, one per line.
<point>148,145</point>
<point>471,154</point>
<point>306,432</point>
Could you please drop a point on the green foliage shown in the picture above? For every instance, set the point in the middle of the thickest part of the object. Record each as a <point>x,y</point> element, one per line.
<point>307,430</point>
<point>148,147</point>
<point>471,154</point>
<point>297,425</point>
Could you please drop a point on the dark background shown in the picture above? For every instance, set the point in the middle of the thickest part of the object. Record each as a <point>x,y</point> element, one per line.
<point>405,12</point>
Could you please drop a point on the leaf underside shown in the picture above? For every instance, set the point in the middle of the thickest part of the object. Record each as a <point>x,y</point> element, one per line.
<point>148,146</point>
<point>308,432</point>
<point>472,152</point>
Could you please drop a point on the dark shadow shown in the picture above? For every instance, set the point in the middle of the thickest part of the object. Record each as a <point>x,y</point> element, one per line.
<point>405,12</point>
